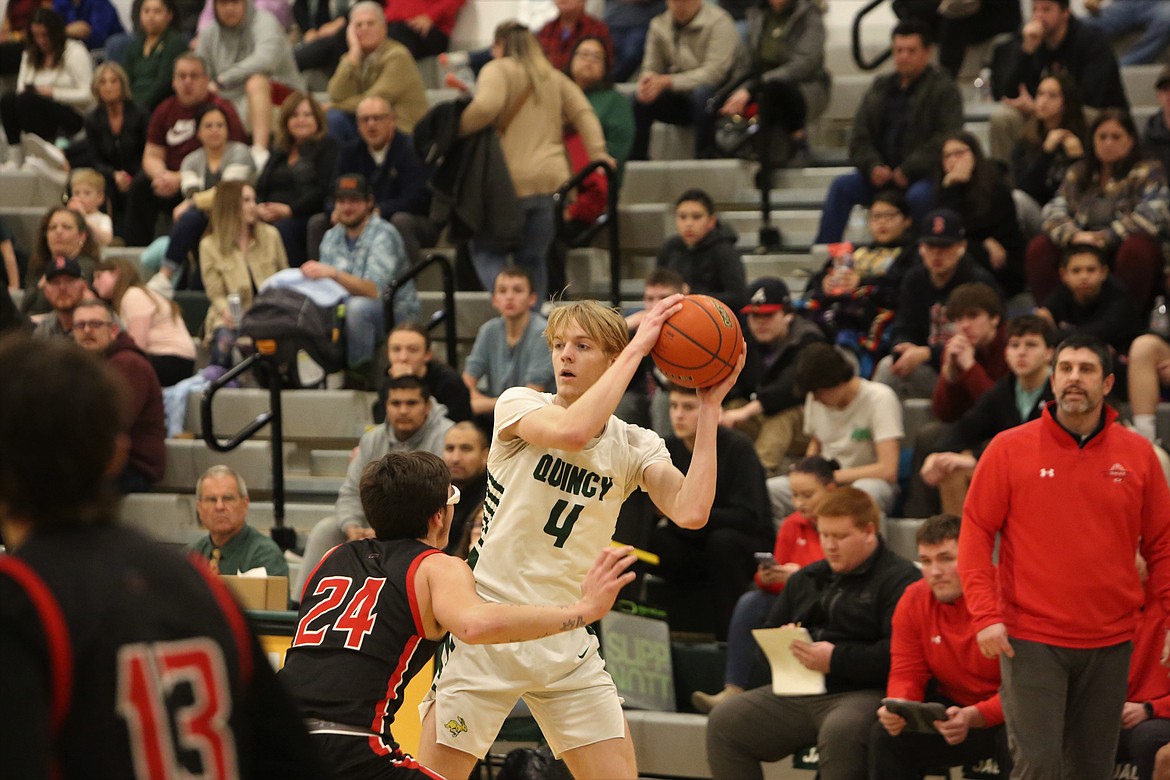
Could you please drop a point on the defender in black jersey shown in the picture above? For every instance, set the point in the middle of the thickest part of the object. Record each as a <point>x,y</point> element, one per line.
<point>373,610</point>
<point>118,657</point>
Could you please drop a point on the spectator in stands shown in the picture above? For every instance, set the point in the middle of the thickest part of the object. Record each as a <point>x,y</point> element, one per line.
<point>152,51</point>
<point>1016,398</point>
<point>509,350</point>
<point>1051,141</point>
<point>396,175</point>
<point>170,137</point>
<point>987,22</point>
<point>1145,717</point>
<point>863,580</point>
<point>797,544</point>
<point>690,50</point>
<point>324,28</point>
<point>94,328</point>
<point>765,403</point>
<point>1089,300</point>
<point>64,289</point>
<point>704,252</point>
<point>231,546</point>
<point>373,65</point>
<point>719,555</point>
<point>1078,599</point>
<point>977,189</point>
<point>62,234</point>
<point>291,187</point>
<point>932,658</point>
<point>423,26</point>
<point>218,159</point>
<point>87,194</point>
<point>155,323</point>
<point>8,261</point>
<point>1156,138</point>
<point>465,451</point>
<point>413,422</point>
<point>973,357</point>
<point>786,76</point>
<point>629,22</point>
<point>1115,200</point>
<point>364,254</point>
<point>1052,41</point>
<point>115,132</point>
<point>251,64</point>
<point>237,255</point>
<point>14,33</point>
<point>920,324</point>
<point>589,67</point>
<point>1118,18</point>
<point>854,296</point>
<point>897,132</point>
<point>11,320</point>
<point>52,92</point>
<point>279,9</point>
<point>89,21</point>
<point>533,145</point>
<point>851,420</point>
<point>408,348</point>
<point>646,402</point>
<point>560,36</point>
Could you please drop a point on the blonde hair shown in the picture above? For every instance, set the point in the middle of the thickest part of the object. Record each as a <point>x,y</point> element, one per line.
<point>87,176</point>
<point>227,219</point>
<point>604,325</point>
<point>518,42</point>
<point>119,71</point>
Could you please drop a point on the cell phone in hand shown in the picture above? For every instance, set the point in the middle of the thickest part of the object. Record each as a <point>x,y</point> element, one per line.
<point>765,560</point>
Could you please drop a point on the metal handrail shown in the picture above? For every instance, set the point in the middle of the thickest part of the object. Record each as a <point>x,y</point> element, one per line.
<point>607,221</point>
<point>858,57</point>
<point>285,537</point>
<point>446,315</point>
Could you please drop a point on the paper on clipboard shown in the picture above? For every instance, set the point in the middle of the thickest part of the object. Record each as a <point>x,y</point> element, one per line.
<point>789,676</point>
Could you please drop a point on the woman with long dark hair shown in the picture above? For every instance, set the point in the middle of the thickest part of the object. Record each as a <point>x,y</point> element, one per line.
<point>1052,140</point>
<point>63,233</point>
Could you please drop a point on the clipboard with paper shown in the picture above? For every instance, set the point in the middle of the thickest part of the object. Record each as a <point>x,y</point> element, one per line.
<point>789,676</point>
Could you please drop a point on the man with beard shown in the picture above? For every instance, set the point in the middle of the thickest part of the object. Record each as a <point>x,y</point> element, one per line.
<point>64,288</point>
<point>1073,495</point>
<point>465,451</point>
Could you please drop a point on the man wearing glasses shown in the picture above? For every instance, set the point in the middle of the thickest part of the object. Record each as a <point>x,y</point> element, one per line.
<point>231,545</point>
<point>94,328</point>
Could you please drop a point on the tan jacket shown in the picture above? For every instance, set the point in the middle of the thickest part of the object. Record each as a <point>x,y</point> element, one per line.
<point>388,71</point>
<point>533,143</point>
<point>223,275</point>
<point>700,54</point>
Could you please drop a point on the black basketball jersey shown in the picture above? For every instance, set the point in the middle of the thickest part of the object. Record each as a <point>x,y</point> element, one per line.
<point>359,637</point>
<point>120,658</point>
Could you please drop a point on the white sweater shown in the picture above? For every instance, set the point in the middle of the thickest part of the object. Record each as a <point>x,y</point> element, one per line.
<point>70,79</point>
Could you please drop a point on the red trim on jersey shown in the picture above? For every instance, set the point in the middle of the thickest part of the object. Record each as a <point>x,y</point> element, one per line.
<point>377,744</point>
<point>235,618</point>
<point>305,587</point>
<point>410,762</point>
<point>411,595</point>
<point>56,634</point>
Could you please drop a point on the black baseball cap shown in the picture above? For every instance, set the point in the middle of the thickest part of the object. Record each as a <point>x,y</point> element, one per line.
<point>352,185</point>
<point>942,227</point>
<point>1163,77</point>
<point>62,266</point>
<point>767,296</point>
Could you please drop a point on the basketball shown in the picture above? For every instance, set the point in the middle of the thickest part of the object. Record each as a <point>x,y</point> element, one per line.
<point>700,344</point>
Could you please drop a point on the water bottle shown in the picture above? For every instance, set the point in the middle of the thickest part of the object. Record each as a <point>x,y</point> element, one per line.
<point>842,254</point>
<point>1159,318</point>
<point>982,86</point>
<point>235,309</point>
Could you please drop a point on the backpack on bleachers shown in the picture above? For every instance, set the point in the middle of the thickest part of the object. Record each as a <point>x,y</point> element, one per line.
<point>295,322</point>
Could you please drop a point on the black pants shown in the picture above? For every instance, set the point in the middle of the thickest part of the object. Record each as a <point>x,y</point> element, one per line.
<point>907,755</point>
<point>142,210</point>
<point>171,369</point>
<point>351,758</point>
<point>1142,742</point>
<point>30,112</point>
<point>430,45</point>
<point>675,108</point>
<point>955,35</point>
<point>782,108</point>
<point>323,53</point>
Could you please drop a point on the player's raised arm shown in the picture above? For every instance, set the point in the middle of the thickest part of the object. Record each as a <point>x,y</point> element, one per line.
<point>687,500</point>
<point>448,587</point>
<point>588,391</point>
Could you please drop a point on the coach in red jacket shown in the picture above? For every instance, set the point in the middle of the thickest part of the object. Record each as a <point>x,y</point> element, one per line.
<point>1071,494</point>
<point>934,657</point>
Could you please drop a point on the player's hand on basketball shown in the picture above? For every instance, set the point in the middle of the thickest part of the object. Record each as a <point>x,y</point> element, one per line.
<point>993,641</point>
<point>647,335</point>
<point>605,579</point>
<point>716,393</point>
<point>893,724</point>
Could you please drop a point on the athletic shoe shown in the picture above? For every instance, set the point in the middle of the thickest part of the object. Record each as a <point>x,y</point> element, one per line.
<point>160,284</point>
<point>705,702</point>
<point>54,174</point>
<point>35,146</point>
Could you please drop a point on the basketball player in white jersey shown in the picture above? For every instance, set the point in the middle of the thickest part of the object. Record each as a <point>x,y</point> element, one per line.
<point>559,468</point>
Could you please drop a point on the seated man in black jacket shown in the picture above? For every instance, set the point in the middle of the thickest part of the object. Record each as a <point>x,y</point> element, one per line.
<point>396,175</point>
<point>1014,399</point>
<point>408,347</point>
<point>847,604</point>
<point>1090,300</point>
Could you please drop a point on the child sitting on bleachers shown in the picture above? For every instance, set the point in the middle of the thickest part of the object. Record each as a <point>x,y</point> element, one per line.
<point>89,193</point>
<point>1090,300</point>
<point>703,252</point>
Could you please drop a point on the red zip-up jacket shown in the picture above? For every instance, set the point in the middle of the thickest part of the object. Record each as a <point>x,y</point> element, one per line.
<point>1148,680</point>
<point>936,641</point>
<point>797,542</point>
<point>444,13</point>
<point>1071,518</point>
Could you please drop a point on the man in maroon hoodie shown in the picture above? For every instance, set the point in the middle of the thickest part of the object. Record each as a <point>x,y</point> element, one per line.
<point>1072,496</point>
<point>95,329</point>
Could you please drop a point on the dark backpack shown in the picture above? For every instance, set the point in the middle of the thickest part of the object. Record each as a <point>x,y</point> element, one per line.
<point>296,323</point>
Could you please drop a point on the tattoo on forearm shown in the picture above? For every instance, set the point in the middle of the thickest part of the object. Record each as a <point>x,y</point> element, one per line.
<point>573,622</point>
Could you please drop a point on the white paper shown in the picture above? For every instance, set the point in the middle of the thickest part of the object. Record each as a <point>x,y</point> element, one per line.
<point>258,572</point>
<point>789,676</point>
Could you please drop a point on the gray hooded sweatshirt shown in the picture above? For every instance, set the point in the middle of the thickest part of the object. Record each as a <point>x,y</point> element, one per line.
<point>258,44</point>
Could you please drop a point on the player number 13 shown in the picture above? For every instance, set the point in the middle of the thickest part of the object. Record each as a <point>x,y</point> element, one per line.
<point>560,529</point>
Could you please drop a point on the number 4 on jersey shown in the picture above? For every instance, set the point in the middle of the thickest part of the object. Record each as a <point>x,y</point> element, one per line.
<point>559,529</point>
